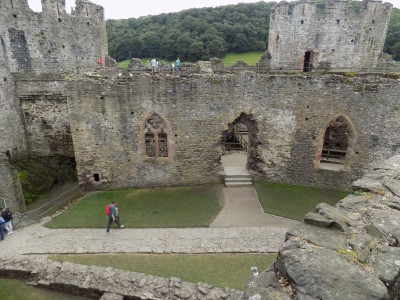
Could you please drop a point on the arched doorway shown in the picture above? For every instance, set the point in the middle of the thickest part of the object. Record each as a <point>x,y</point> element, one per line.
<point>336,144</point>
<point>238,142</point>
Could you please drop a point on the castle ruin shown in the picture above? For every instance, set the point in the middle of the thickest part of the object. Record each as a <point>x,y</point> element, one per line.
<point>337,38</point>
<point>63,117</point>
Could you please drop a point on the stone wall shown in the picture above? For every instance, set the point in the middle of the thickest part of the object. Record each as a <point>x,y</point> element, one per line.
<point>109,283</point>
<point>291,113</point>
<point>338,37</point>
<point>12,138</point>
<point>350,250</point>
<point>52,41</point>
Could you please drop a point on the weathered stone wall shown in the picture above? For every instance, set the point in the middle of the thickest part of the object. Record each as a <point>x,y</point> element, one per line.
<point>12,139</point>
<point>350,251</point>
<point>112,283</point>
<point>290,112</point>
<point>339,37</point>
<point>51,41</point>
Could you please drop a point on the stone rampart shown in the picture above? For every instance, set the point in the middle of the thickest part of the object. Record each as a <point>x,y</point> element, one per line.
<point>52,41</point>
<point>290,113</point>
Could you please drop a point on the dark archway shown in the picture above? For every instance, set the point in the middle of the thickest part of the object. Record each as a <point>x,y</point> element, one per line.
<point>336,141</point>
<point>241,137</point>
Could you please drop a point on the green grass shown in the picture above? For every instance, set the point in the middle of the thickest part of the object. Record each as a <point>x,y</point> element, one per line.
<point>194,206</point>
<point>251,58</point>
<point>221,270</point>
<point>293,202</point>
<point>11,289</point>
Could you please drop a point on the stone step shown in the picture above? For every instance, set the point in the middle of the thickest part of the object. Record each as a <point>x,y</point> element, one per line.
<point>237,178</point>
<point>238,183</point>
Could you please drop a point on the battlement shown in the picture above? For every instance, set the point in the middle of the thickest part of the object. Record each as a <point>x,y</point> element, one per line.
<point>83,8</point>
<point>51,40</point>
<point>339,36</point>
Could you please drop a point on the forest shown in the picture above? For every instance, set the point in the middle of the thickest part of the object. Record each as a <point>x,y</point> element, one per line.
<point>202,33</point>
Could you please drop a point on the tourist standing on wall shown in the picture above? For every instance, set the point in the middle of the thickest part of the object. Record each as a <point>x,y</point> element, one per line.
<point>178,65</point>
<point>153,65</point>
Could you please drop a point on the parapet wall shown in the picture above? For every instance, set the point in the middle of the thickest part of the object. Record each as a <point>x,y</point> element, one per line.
<point>338,38</point>
<point>51,41</point>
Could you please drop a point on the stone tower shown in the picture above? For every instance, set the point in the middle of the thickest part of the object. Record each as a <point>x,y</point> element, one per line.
<point>49,45</point>
<point>338,38</point>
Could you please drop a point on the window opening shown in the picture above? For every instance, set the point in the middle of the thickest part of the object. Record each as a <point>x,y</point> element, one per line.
<point>307,61</point>
<point>156,137</point>
<point>302,21</point>
<point>87,11</point>
<point>35,5</point>
<point>163,145</point>
<point>336,141</point>
<point>150,145</point>
<point>337,21</point>
<point>96,177</point>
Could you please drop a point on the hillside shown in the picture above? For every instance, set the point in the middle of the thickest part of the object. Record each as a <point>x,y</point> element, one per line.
<point>201,33</point>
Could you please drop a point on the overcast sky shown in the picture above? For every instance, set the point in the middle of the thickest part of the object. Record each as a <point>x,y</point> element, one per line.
<point>123,9</point>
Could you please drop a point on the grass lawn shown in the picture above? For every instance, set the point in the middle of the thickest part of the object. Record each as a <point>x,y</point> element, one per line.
<point>251,58</point>
<point>194,206</point>
<point>12,289</point>
<point>222,270</point>
<point>293,202</point>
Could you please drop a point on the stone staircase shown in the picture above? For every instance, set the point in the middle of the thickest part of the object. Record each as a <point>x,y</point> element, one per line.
<point>237,176</point>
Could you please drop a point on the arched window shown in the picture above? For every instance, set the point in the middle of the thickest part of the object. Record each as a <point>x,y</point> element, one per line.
<point>336,144</point>
<point>156,137</point>
<point>336,141</point>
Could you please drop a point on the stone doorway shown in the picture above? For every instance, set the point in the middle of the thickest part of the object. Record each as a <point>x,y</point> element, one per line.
<point>237,143</point>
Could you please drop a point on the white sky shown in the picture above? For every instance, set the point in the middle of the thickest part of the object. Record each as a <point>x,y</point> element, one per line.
<point>123,9</point>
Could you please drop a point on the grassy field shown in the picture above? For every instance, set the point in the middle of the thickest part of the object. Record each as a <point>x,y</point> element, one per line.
<point>194,206</point>
<point>293,202</point>
<point>221,270</point>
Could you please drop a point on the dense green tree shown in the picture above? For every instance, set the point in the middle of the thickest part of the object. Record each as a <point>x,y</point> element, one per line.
<point>201,33</point>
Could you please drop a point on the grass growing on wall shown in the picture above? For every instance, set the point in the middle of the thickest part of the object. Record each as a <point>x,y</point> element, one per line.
<point>293,202</point>
<point>221,270</point>
<point>250,58</point>
<point>194,206</point>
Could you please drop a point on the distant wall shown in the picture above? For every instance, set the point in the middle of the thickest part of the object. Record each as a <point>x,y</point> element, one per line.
<point>337,38</point>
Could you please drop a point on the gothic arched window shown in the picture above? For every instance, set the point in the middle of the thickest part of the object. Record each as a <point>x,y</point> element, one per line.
<point>156,137</point>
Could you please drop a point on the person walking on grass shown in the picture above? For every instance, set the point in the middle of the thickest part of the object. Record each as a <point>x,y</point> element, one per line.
<point>113,216</point>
